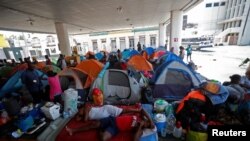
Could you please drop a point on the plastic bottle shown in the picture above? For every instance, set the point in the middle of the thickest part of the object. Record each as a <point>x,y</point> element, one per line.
<point>170,124</point>
<point>177,130</point>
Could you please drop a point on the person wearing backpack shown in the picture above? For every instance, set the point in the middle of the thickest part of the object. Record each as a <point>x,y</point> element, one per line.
<point>31,79</point>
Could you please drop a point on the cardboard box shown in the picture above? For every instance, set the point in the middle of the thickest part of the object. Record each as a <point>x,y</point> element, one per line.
<point>51,112</point>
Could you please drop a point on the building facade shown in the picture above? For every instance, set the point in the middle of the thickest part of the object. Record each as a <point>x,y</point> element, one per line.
<point>226,20</point>
<point>114,40</point>
<point>236,23</point>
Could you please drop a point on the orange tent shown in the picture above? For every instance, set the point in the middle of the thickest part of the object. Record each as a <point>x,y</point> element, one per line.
<point>40,65</point>
<point>19,67</point>
<point>91,68</point>
<point>140,63</point>
<point>158,54</point>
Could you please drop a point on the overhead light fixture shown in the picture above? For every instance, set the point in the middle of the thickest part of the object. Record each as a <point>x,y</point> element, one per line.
<point>127,19</point>
<point>30,21</point>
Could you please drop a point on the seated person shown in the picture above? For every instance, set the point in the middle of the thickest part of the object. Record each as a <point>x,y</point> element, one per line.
<point>97,113</point>
<point>236,92</point>
<point>111,126</point>
<point>245,81</point>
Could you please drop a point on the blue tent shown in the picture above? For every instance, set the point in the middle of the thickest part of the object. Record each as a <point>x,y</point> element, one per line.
<point>126,54</point>
<point>134,52</point>
<point>149,50</point>
<point>171,56</point>
<point>99,56</point>
<point>15,83</point>
<point>173,80</point>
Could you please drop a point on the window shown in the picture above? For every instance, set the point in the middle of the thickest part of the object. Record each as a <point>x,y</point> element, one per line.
<point>239,23</point>
<point>223,3</point>
<point>242,11</point>
<point>32,52</point>
<point>142,40</point>
<point>131,42</point>
<point>103,44</point>
<point>95,46</point>
<point>209,5</point>
<point>122,43</point>
<point>216,4</point>
<point>113,44</point>
<point>153,41</point>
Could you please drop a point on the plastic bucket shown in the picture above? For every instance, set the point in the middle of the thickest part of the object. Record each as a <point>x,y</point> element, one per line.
<point>160,122</point>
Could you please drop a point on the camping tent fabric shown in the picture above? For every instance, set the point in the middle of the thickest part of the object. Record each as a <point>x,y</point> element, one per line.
<point>90,67</point>
<point>15,83</point>
<point>140,63</point>
<point>23,66</point>
<point>5,71</point>
<point>52,68</point>
<point>68,72</point>
<point>40,65</point>
<point>134,52</point>
<point>149,50</point>
<point>173,80</point>
<point>158,54</point>
<point>126,54</point>
<point>118,87</point>
<point>99,56</point>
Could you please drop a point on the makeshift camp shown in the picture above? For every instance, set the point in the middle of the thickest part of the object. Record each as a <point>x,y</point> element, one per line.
<point>118,87</point>
<point>140,63</point>
<point>71,78</point>
<point>5,71</point>
<point>51,68</point>
<point>149,50</point>
<point>91,68</point>
<point>93,135</point>
<point>158,54</point>
<point>18,68</point>
<point>40,65</point>
<point>173,80</point>
<point>15,83</point>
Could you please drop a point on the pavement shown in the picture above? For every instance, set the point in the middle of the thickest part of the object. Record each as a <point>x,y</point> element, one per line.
<point>220,62</point>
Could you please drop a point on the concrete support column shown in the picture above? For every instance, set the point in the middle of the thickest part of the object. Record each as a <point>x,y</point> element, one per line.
<point>175,30</point>
<point>63,38</point>
<point>162,34</point>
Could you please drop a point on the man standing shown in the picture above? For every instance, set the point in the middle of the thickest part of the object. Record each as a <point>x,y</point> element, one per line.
<point>33,83</point>
<point>139,47</point>
<point>189,52</point>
